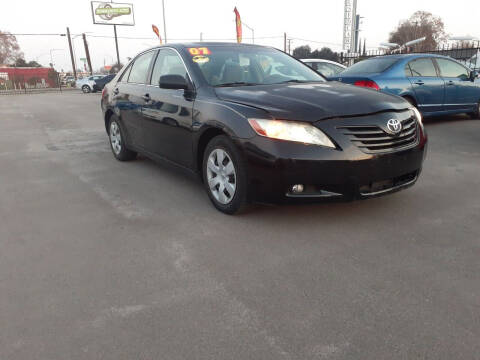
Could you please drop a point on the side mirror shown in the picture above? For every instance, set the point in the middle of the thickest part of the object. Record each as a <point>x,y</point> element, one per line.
<point>173,82</point>
<point>473,75</point>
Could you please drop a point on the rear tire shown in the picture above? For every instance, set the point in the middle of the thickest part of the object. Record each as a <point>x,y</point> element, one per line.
<point>224,175</point>
<point>117,142</point>
<point>86,89</point>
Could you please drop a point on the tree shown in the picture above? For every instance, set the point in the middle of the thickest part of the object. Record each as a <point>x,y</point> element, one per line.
<point>53,76</point>
<point>9,48</point>
<point>302,52</point>
<point>325,53</point>
<point>420,24</point>
<point>20,62</point>
<point>115,68</point>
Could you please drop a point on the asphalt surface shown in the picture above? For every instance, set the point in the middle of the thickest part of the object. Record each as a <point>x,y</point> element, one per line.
<point>107,260</point>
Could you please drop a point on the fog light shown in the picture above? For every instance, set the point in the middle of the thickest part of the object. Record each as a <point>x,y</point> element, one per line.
<point>297,188</point>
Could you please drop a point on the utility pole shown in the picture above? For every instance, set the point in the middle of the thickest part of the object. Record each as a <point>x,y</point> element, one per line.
<point>87,53</point>
<point>290,46</point>
<point>116,43</point>
<point>164,24</point>
<point>71,54</point>
<point>284,42</point>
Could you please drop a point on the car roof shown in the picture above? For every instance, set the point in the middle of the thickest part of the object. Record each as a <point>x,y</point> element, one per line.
<point>410,56</point>
<point>179,46</point>
<point>323,60</point>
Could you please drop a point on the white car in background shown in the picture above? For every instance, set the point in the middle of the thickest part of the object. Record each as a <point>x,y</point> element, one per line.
<point>327,68</point>
<point>474,62</point>
<point>86,84</point>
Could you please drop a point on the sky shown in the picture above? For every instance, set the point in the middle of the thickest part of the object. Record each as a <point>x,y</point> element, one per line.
<point>316,23</point>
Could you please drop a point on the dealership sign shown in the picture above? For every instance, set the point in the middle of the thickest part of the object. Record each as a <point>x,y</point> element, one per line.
<point>107,13</point>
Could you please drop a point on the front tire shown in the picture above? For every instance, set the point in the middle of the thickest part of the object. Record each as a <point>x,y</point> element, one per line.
<point>117,143</point>
<point>475,114</point>
<point>224,175</point>
<point>86,89</point>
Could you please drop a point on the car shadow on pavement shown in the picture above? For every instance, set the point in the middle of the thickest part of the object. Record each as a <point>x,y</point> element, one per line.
<point>193,199</point>
<point>437,120</point>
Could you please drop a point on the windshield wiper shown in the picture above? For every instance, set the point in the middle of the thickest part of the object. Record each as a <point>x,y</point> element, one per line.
<point>236,83</point>
<point>298,81</point>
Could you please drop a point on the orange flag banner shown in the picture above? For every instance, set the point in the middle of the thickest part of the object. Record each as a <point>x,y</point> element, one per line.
<point>155,30</point>
<point>238,22</point>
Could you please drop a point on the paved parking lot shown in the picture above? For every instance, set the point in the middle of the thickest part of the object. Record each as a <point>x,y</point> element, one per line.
<point>107,260</point>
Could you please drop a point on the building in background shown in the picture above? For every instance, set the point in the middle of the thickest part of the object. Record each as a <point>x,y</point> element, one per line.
<point>27,77</point>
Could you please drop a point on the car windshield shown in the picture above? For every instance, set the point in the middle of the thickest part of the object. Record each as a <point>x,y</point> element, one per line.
<point>370,66</point>
<point>245,65</point>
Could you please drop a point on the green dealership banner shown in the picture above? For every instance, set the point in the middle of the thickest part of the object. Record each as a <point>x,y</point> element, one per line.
<point>109,13</point>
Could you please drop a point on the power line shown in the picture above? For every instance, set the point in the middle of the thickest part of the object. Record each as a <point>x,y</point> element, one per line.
<point>139,37</point>
<point>179,39</point>
<point>316,42</point>
<point>8,34</point>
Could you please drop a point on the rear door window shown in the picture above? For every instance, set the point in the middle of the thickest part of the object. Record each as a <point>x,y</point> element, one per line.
<point>423,67</point>
<point>140,68</point>
<point>126,73</point>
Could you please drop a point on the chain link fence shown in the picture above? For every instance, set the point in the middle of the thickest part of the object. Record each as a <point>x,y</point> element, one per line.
<point>468,54</point>
<point>34,81</point>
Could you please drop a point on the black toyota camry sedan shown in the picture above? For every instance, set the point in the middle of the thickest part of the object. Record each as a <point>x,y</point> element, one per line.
<point>257,124</point>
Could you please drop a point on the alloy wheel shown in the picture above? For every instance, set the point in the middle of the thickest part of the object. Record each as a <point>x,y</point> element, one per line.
<point>115,138</point>
<point>221,176</point>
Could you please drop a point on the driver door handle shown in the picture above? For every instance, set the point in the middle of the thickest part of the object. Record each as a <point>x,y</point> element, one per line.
<point>450,82</point>
<point>419,82</point>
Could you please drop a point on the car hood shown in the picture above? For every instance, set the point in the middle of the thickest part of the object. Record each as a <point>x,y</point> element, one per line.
<point>312,101</point>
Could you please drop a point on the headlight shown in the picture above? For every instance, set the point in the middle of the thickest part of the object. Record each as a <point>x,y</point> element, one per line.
<point>290,131</point>
<point>417,114</point>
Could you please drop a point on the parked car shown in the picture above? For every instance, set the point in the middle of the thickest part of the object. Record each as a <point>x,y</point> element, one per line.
<point>435,84</point>
<point>474,62</point>
<point>257,124</point>
<point>68,81</point>
<point>86,84</point>
<point>99,84</point>
<point>325,67</point>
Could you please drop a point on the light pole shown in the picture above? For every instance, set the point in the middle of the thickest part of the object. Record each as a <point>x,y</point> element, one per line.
<point>253,32</point>
<point>397,47</point>
<point>51,55</point>
<point>164,24</point>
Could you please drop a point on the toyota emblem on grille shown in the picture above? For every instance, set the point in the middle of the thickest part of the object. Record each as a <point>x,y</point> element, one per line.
<point>394,126</point>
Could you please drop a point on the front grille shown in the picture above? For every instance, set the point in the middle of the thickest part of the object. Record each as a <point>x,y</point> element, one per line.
<point>373,139</point>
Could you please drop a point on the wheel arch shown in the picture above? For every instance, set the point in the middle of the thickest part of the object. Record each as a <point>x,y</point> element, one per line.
<point>411,99</point>
<point>108,115</point>
<point>203,140</point>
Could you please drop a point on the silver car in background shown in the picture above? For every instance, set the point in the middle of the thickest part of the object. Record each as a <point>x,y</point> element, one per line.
<point>325,67</point>
<point>86,84</point>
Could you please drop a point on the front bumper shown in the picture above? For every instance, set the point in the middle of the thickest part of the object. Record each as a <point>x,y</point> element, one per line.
<point>345,173</point>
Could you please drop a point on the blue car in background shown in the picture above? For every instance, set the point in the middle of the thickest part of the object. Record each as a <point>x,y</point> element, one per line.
<point>435,84</point>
